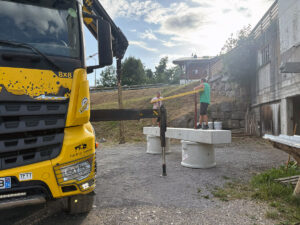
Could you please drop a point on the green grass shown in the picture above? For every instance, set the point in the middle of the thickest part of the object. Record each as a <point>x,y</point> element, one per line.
<point>284,206</point>
<point>274,215</point>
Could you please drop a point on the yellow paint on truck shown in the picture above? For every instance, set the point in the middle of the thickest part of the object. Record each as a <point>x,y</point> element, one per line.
<point>33,82</point>
<point>78,132</point>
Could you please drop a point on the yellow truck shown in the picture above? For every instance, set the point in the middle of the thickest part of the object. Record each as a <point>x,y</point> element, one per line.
<point>47,144</point>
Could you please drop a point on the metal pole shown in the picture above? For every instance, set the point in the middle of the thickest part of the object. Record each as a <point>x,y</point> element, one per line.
<point>163,129</point>
<point>120,99</point>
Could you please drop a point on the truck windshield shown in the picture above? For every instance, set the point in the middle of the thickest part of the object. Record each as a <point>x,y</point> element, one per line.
<point>51,26</point>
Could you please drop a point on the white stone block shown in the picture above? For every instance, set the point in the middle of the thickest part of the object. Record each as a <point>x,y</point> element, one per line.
<point>154,145</point>
<point>198,156</point>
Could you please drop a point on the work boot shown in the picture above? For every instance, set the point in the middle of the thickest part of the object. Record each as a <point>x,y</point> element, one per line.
<point>205,127</point>
<point>199,126</point>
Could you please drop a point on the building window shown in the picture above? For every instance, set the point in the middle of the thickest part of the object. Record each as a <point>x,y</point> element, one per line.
<point>264,56</point>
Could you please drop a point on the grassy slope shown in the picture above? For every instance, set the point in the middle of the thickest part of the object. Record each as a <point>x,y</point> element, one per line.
<point>140,99</point>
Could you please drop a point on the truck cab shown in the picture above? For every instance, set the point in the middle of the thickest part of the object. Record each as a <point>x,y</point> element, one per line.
<point>47,144</point>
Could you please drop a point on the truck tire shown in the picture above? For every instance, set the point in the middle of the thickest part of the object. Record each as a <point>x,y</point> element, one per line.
<point>80,203</point>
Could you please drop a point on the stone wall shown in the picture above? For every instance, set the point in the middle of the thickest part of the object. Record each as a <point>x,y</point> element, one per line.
<point>231,106</point>
<point>232,110</point>
<point>231,113</point>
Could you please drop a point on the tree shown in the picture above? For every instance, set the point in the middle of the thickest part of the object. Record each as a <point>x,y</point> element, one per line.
<point>160,71</point>
<point>133,72</point>
<point>167,75</point>
<point>240,58</point>
<point>175,74</point>
<point>109,77</point>
<point>233,42</point>
<point>149,76</point>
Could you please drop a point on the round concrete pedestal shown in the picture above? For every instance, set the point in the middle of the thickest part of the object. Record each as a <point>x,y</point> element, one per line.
<point>197,155</point>
<point>154,146</point>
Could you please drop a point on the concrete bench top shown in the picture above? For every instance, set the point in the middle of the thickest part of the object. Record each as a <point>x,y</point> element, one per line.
<point>186,134</point>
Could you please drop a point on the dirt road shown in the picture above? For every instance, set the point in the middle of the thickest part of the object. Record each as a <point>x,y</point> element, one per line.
<point>130,189</point>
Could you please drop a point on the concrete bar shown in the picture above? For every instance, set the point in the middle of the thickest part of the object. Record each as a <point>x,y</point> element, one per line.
<point>201,136</point>
<point>197,145</point>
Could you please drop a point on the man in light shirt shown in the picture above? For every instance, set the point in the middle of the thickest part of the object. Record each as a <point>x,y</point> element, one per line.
<point>156,105</point>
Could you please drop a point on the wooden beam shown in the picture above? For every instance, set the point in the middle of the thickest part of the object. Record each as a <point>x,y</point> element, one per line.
<point>120,99</point>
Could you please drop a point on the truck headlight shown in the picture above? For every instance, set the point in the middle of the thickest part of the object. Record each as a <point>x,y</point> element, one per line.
<point>78,171</point>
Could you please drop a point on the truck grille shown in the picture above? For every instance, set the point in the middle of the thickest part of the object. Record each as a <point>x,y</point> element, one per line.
<point>30,132</point>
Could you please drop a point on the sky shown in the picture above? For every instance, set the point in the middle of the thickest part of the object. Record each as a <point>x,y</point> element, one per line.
<point>175,28</point>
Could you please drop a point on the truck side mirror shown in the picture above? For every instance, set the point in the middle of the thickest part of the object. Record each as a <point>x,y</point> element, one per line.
<point>104,43</point>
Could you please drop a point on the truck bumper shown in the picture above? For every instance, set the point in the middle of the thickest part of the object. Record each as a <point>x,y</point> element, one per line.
<point>47,181</point>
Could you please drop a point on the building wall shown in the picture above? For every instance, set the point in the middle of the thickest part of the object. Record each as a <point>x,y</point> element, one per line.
<point>216,68</point>
<point>289,22</point>
<point>183,81</point>
<point>194,72</point>
<point>268,78</point>
<point>274,93</point>
<point>289,26</point>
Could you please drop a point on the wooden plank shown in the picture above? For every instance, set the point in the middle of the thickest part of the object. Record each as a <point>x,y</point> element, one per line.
<point>288,178</point>
<point>297,189</point>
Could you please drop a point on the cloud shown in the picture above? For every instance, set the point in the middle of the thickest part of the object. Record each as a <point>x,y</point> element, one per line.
<point>226,10</point>
<point>148,34</point>
<point>134,9</point>
<point>203,25</point>
<point>183,22</point>
<point>143,45</point>
<point>242,9</point>
<point>169,43</point>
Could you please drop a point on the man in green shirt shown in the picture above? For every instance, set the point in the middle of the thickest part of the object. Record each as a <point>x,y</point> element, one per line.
<point>204,88</point>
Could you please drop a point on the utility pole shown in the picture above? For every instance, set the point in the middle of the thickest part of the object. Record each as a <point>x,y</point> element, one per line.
<point>120,98</point>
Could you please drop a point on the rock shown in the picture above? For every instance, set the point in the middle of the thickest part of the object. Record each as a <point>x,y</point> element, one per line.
<point>242,123</point>
<point>231,124</point>
<point>235,124</point>
<point>213,107</point>
<point>228,87</point>
<point>102,140</point>
<point>214,115</point>
<point>186,121</point>
<point>231,94</point>
<point>226,106</point>
<point>227,115</point>
<point>238,115</point>
<point>226,124</point>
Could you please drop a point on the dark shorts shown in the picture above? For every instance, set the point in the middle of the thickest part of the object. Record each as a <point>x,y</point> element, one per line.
<point>156,114</point>
<point>203,108</point>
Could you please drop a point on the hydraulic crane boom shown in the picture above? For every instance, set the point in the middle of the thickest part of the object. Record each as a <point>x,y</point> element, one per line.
<point>119,41</point>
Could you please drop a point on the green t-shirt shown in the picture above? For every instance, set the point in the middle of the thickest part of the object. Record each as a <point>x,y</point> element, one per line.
<point>205,95</point>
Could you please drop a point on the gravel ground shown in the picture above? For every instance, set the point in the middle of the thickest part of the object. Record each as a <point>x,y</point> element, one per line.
<point>130,189</point>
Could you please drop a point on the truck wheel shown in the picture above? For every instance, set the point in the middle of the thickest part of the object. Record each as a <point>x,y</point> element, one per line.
<point>80,203</point>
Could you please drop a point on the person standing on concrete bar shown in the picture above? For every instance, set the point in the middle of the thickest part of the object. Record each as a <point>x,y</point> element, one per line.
<point>156,106</point>
<point>204,103</point>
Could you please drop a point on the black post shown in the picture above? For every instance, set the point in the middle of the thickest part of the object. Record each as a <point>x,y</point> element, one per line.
<point>163,129</point>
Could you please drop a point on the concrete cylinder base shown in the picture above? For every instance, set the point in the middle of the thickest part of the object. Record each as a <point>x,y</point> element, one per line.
<point>154,146</point>
<point>197,155</point>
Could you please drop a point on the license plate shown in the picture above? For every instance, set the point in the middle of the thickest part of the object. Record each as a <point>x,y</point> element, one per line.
<point>25,176</point>
<point>5,182</point>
